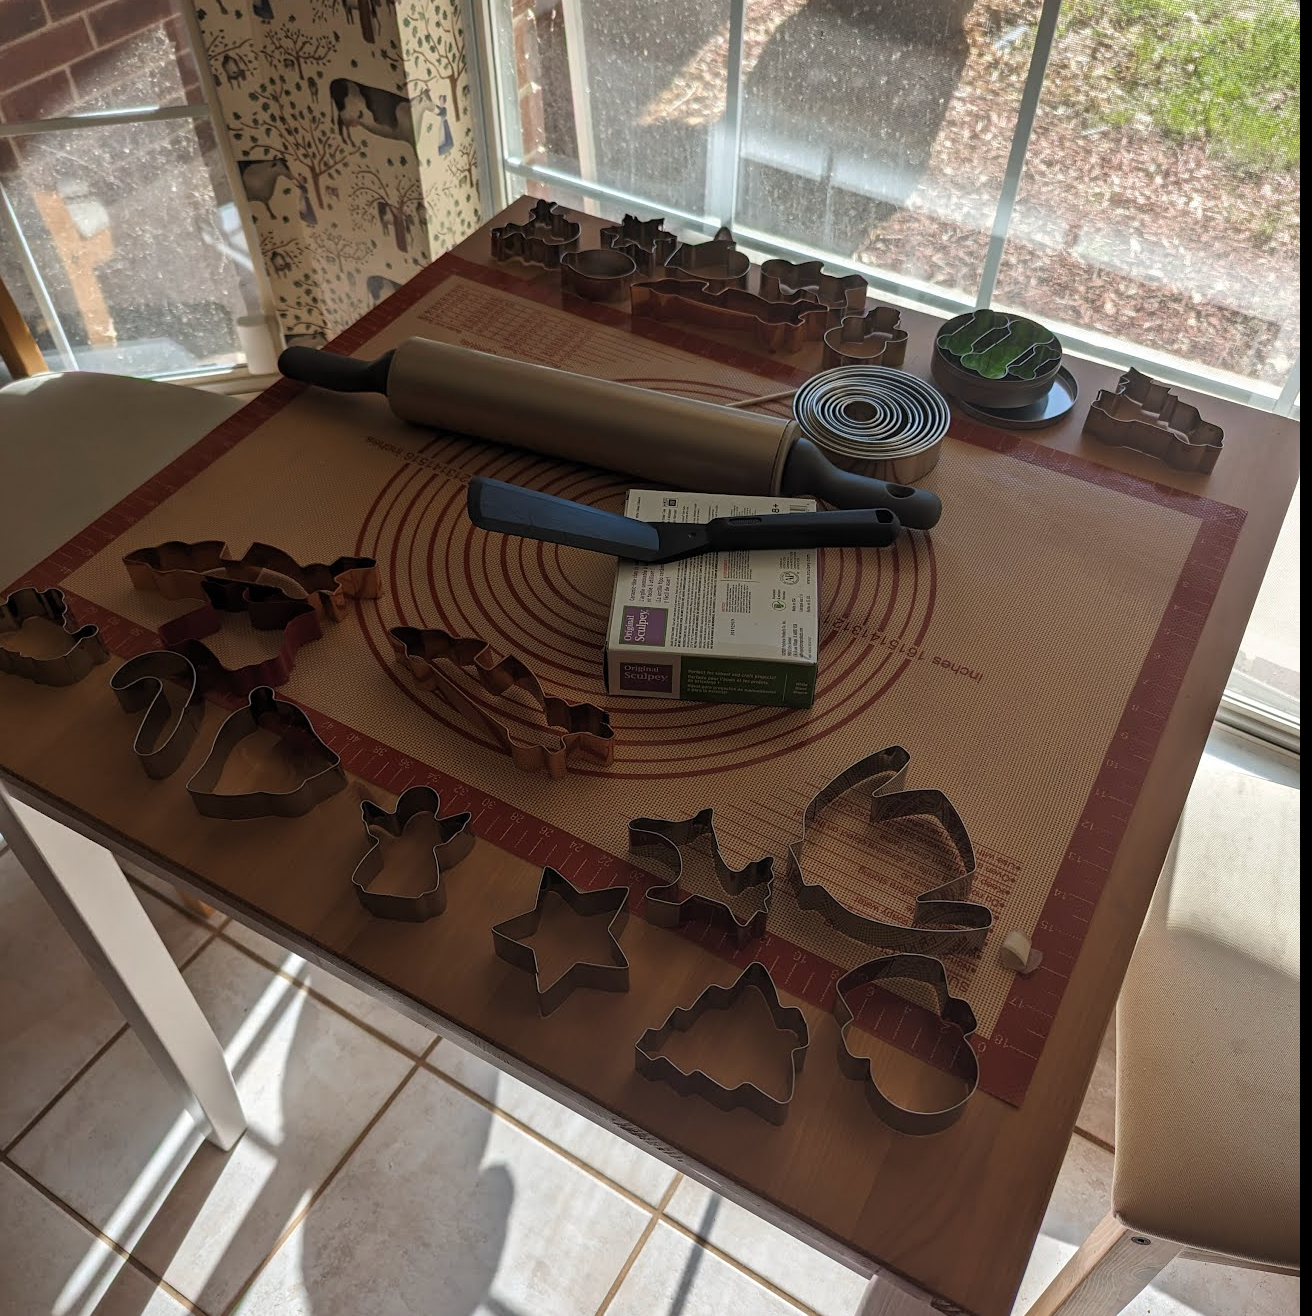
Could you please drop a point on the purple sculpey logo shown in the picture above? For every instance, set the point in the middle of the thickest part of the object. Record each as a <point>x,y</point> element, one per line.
<point>643,626</point>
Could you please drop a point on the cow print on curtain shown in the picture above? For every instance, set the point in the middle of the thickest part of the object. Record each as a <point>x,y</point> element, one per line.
<point>350,121</point>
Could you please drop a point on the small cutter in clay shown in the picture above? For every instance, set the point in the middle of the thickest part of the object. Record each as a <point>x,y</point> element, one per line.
<point>542,240</point>
<point>268,608</point>
<point>1148,417</point>
<point>581,728</point>
<point>322,769</point>
<point>952,1010</point>
<point>782,326</point>
<point>645,241</point>
<point>165,684</point>
<point>85,648</point>
<point>600,274</point>
<point>669,906</point>
<point>874,338</point>
<point>946,920</point>
<point>455,841</point>
<point>611,975</point>
<point>717,263</point>
<point>841,294</point>
<point>177,570</point>
<point>659,1068</point>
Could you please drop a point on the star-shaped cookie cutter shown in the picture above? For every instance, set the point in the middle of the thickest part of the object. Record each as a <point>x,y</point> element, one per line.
<point>455,841</point>
<point>946,920</point>
<point>669,906</point>
<point>264,711</point>
<point>268,608</point>
<point>542,239</point>
<point>584,728</point>
<point>166,685</point>
<point>177,570</point>
<point>612,976</point>
<point>659,1068</point>
<point>952,1010</point>
<point>645,241</point>
<point>86,649</point>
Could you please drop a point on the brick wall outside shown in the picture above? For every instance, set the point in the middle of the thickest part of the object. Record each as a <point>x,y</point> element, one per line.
<point>61,57</point>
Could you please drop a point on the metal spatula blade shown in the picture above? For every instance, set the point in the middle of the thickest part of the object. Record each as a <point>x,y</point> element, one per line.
<point>512,510</point>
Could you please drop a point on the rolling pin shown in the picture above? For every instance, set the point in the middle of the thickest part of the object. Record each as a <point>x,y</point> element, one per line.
<point>656,436</point>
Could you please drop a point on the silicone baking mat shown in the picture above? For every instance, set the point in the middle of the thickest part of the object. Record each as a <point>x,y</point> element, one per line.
<point>1026,653</point>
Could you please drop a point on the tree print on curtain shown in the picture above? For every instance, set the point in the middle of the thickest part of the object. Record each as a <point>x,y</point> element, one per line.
<point>351,124</point>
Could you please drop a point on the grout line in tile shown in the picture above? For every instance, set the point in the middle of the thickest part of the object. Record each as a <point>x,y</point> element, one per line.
<point>656,1215</point>
<point>295,1222</point>
<point>560,1151</point>
<point>1096,1140</point>
<point>83,1068</point>
<point>718,1252</point>
<point>304,986</point>
<point>136,1263</point>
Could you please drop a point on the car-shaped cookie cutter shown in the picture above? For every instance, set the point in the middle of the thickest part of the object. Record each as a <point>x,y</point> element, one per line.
<point>322,773</point>
<point>610,975</point>
<point>455,841</point>
<point>668,905</point>
<point>581,728</point>
<point>166,685</point>
<point>953,1010</point>
<point>85,648</point>
<point>946,920</point>
<point>697,1083</point>
<point>542,239</point>
<point>1148,417</point>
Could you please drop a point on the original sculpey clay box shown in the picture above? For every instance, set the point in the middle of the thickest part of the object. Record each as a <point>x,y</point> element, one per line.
<point>735,628</point>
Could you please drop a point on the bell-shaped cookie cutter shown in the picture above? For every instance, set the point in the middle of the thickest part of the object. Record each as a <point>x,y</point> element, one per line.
<point>659,1068</point>
<point>946,920</point>
<point>85,649</point>
<point>611,975</point>
<point>165,684</point>
<point>455,841</point>
<point>952,1009</point>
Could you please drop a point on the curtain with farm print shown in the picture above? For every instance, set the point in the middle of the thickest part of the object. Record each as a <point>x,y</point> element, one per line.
<point>350,121</point>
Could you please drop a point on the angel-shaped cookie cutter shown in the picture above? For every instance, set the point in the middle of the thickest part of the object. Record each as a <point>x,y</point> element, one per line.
<point>659,1068</point>
<point>542,239</point>
<point>610,975</point>
<point>584,728</point>
<point>669,906</point>
<point>963,1063</point>
<point>1148,417</point>
<point>946,920</point>
<point>85,648</point>
<point>455,841</point>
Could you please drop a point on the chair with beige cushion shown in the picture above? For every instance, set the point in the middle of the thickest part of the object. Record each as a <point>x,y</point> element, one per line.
<point>1207,1048</point>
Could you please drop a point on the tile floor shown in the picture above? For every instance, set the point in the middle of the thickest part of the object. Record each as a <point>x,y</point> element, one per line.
<point>384,1173</point>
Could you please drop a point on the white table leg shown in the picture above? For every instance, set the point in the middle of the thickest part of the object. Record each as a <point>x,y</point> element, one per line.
<point>92,899</point>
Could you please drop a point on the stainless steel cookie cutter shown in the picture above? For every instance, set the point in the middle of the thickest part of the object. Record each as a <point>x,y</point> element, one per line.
<point>874,338</point>
<point>321,768</point>
<point>611,976</point>
<point>717,263</point>
<point>645,241</point>
<point>1148,417</point>
<point>841,294</point>
<point>85,647</point>
<point>455,841</point>
<point>782,326</point>
<point>952,1010</point>
<point>669,906</point>
<point>601,274</point>
<point>584,728</point>
<point>652,1065</point>
<point>165,684</point>
<point>946,920</point>
<point>542,239</point>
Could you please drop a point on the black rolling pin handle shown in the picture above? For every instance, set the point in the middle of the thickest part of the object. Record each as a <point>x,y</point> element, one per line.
<point>867,528</point>
<point>809,471</point>
<point>342,374</point>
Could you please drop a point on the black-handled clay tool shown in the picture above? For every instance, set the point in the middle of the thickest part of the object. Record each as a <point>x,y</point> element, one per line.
<point>674,442</point>
<point>513,510</point>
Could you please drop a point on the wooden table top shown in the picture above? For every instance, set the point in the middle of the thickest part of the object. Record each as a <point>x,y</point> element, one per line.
<point>955,1214</point>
